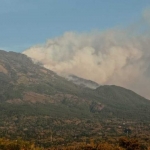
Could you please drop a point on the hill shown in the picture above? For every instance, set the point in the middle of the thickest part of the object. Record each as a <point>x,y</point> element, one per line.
<point>39,105</point>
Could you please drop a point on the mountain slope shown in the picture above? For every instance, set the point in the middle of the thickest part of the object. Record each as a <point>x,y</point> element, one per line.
<point>24,82</point>
<point>36,100</point>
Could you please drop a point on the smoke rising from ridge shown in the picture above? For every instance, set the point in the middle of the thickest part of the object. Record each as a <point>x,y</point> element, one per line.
<point>110,57</point>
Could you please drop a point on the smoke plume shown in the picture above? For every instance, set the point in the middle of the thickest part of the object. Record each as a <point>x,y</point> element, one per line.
<point>114,56</point>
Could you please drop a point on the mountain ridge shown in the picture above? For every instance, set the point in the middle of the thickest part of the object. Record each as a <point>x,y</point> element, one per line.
<point>34,100</point>
<point>29,79</point>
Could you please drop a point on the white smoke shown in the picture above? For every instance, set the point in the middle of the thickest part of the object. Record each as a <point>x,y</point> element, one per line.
<point>111,57</point>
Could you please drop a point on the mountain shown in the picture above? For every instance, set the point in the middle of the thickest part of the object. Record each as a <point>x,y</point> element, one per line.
<point>37,104</point>
<point>83,82</point>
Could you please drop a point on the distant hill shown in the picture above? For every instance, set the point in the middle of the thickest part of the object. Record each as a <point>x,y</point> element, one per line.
<point>36,100</point>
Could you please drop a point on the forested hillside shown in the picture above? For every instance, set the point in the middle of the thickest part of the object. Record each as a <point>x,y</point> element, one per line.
<point>38,105</point>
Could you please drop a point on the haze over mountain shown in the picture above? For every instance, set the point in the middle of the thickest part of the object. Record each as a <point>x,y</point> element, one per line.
<point>82,82</point>
<point>22,82</point>
<point>106,42</point>
<point>115,56</point>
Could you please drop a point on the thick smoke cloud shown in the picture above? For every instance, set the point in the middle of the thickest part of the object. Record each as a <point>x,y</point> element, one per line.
<point>110,57</point>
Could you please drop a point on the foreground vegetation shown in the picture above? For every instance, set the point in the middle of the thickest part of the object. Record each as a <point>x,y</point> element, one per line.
<point>121,144</point>
<point>31,123</point>
<point>41,110</point>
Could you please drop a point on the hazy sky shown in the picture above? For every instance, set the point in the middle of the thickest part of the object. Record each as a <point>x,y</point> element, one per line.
<point>24,23</point>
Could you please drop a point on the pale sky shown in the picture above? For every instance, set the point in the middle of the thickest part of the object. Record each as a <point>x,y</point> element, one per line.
<point>24,23</point>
